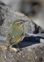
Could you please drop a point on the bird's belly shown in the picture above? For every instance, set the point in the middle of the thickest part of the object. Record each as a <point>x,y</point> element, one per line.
<point>16,40</point>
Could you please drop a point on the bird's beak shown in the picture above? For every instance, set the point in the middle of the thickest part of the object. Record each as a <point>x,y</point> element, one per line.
<point>23,22</point>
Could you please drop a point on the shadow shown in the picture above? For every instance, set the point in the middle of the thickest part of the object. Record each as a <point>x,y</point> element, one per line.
<point>28,41</point>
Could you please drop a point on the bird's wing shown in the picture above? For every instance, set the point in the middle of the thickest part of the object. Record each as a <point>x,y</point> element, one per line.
<point>17,41</point>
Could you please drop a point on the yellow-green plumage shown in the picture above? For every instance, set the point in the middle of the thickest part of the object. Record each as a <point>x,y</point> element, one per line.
<point>16,32</point>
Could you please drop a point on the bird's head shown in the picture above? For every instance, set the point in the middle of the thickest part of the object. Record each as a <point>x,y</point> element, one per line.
<point>19,22</point>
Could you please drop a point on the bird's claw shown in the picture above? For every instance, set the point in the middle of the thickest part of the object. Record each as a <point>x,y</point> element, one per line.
<point>19,50</point>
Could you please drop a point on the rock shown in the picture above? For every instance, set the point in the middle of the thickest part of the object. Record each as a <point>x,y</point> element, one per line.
<point>34,53</point>
<point>7,17</point>
<point>38,59</point>
<point>42,40</point>
<point>31,34</point>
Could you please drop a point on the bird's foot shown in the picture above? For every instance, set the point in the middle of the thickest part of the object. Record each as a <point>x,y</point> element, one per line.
<point>14,49</point>
<point>8,47</point>
<point>19,50</point>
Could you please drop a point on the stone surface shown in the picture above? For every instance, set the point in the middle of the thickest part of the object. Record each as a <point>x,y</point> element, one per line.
<point>34,53</point>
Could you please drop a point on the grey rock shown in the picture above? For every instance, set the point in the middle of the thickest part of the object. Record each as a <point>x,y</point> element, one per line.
<point>34,53</point>
<point>38,59</point>
<point>31,34</point>
<point>7,17</point>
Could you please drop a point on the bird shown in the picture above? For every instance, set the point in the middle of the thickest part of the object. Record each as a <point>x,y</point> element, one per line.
<point>16,32</point>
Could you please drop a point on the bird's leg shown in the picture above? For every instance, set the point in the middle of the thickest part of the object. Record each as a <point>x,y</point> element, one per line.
<point>19,48</point>
<point>8,47</point>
